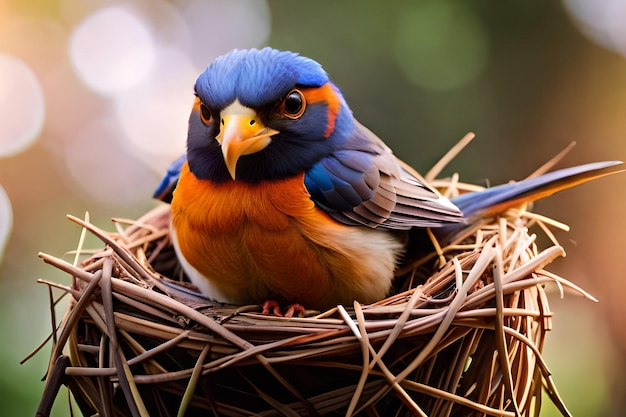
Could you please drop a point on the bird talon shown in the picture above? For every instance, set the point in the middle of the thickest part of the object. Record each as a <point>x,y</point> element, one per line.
<point>272,308</point>
<point>295,308</point>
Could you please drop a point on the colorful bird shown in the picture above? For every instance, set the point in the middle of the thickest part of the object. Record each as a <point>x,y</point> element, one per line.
<point>284,195</point>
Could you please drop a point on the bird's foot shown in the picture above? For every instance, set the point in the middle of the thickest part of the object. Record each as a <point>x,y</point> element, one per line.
<point>271,307</point>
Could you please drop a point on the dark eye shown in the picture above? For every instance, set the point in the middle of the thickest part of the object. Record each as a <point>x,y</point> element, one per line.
<point>205,114</point>
<point>294,104</point>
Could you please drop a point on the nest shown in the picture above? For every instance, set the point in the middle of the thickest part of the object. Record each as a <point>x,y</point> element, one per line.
<point>461,336</point>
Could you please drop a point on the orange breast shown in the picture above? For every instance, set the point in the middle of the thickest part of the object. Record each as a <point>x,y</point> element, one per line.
<point>259,241</point>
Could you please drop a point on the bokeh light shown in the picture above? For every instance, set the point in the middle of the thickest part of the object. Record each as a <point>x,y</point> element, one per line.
<point>111,50</point>
<point>6,220</point>
<point>102,170</point>
<point>217,26</point>
<point>21,97</point>
<point>153,116</point>
<point>440,45</point>
<point>602,21</point>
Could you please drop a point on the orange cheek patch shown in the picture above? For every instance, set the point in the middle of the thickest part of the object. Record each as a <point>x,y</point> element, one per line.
<point>328,95</point>
<point>196,105</point>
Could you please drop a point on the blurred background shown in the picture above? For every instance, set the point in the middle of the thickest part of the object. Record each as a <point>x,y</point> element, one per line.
<point>95,95</point>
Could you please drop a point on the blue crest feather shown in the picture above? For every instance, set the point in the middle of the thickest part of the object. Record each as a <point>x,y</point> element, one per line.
<point>257,77</point>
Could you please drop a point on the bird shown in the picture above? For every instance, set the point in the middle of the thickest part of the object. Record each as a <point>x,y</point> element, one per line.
<point>283,197</point>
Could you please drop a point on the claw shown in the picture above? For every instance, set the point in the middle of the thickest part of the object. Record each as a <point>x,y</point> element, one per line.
<point>295,308</point>
<point>271,307</point>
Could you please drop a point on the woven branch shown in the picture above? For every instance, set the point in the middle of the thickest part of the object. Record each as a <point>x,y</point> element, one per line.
<point>461,335</point>
<point>464,338</point>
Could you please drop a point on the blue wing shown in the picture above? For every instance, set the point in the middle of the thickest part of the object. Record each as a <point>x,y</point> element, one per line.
<point>364,183</point>
<point>165,189</point>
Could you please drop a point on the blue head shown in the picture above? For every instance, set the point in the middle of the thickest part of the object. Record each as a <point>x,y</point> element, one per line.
<point>264,115</point>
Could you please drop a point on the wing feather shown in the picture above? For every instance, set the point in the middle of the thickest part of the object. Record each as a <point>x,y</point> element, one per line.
<point>364,183</point>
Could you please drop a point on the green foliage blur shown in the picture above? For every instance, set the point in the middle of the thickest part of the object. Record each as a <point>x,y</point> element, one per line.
<point>420,74</point>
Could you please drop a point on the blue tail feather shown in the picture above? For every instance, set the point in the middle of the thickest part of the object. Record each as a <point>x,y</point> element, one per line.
<point>501,197</point>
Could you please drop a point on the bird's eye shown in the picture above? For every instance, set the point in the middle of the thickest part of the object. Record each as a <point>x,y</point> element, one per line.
<point>294,104</point>
<point>205,114</point>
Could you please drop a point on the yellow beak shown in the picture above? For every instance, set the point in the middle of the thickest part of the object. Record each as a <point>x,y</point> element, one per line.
<point>241,133</point>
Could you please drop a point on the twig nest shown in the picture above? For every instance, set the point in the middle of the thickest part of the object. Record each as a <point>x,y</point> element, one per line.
<point>462,336</point>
